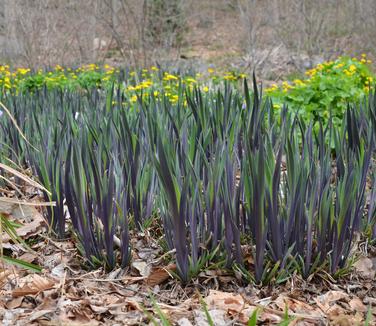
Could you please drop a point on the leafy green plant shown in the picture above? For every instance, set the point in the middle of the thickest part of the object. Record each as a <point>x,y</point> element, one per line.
<point>252,321</point>
<point>161,315</point>
<point>327,91</point>
<point>10,229</point>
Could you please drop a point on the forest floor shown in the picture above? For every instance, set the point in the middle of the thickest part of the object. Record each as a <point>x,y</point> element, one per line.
<point>65,293</point>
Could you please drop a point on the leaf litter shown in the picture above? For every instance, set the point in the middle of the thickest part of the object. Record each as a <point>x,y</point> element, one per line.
<point>65,293</point>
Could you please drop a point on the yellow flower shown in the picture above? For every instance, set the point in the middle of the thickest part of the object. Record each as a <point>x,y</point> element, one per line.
<point>210,70</point>
<point>145,84</point>
<point>272,88</point>
<point>174,98</point>
<point>311,72</point>
<point>286,85</point>
<point>190,80</point>
<point>338,66</point>
<point>205,89</point>
<point>23,71</point>
<point>154,68</point>
<point>298,82</point>
<point>276,106</point>
<point>169,77</point>
<point>229,76</point>
<point>134,98</point>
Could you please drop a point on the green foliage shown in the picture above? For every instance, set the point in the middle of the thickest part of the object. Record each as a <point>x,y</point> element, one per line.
<point>253,319</point>
<point>327,90</point>
<point>10,228</point>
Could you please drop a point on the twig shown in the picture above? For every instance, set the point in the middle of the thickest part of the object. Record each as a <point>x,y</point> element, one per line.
<point>26,203</point>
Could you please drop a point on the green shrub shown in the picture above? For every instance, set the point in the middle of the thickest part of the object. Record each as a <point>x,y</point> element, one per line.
<point>327,90</point>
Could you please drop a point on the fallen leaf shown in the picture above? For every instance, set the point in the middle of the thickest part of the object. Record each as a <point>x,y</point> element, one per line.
<point>14,303</point>
<point>365,267</point>
<point>184,322</point>
<point>346,320</point>
<point>99,310</point>
<point>143,268</point>
<point>295,306</point>
<point>58,271</point>
<point>134,305</point>
<point>357,305</point>
<point>229,302</point>
<point>28,257</point>
<point>37,284</point>
<point>39,313</point>
<point>160,274</point>
<point>32,222</point>
<point>3,277</point>
<point>246,313</point>
<point>330,297</point>
<point>217,316</point>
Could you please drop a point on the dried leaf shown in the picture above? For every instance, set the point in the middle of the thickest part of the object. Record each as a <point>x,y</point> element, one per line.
<point>365,267</point>
<point>33,225</point>
<point>142,267</point>
<point>357,305</point>
<point>296,306</point>
<point>246,313</point>
<point>330,297</point>
<point>14,303</point>
<point>217,316</point>
<point>28,257</point>
<point>229,302</point>
<point>99,310</point>
<point>184,322</point>
<point>4,276</point>
<point>160,274</point>
<point>38,284</point>
<point>40,313</point>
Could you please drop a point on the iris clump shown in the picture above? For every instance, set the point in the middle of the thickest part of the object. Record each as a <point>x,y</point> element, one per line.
<point>219,171</point>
